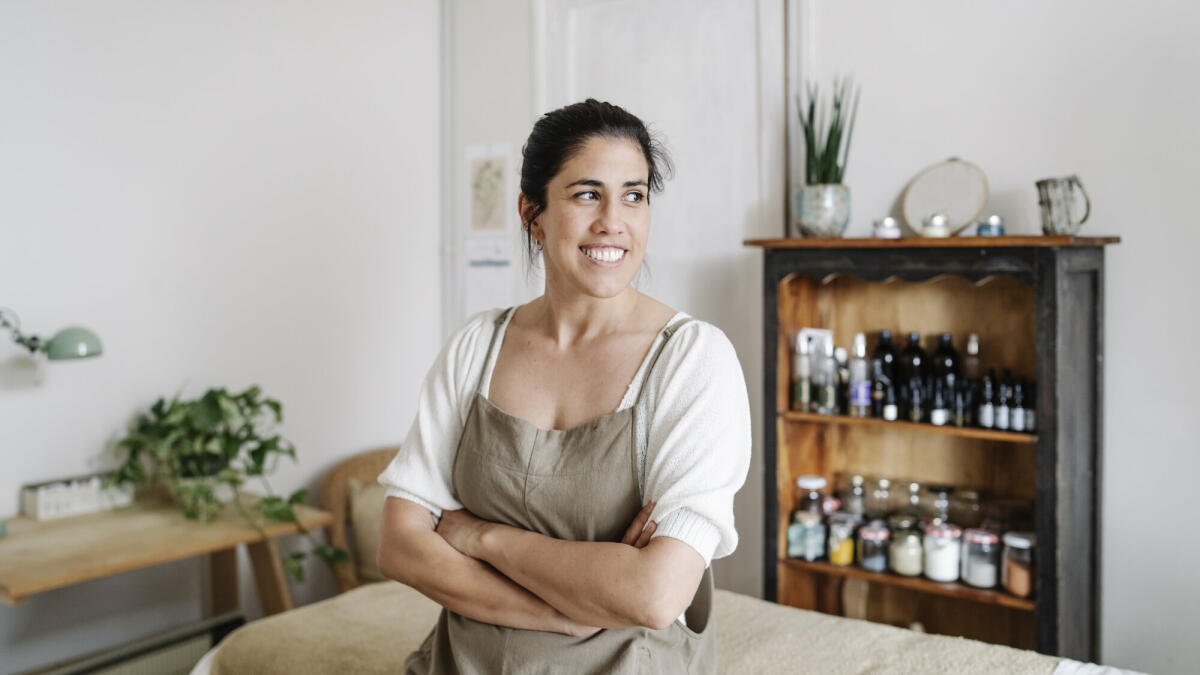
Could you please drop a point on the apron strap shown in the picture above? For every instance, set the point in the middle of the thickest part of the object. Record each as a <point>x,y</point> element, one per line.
<point>642,422</point>
<point>491,346</point>
<point>667,333</point>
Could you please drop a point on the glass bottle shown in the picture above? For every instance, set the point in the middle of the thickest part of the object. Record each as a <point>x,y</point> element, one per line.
<point>987,401</point>
<point>1016,415</point>
<point>879,499</point>
<point>827,383</point>
<point>891,407</point>
<point>939,410</point>
<point>860,384</point>
<point>809,495</point>
<point>885,355</point>
<point>946,363</point>
<point>913,361</point>
<point>1004,401</point>
<point>916,401</point>
<point>802,375</point>
<point>971,369</point>
<point>1031,406</point>
<point>879,385</point>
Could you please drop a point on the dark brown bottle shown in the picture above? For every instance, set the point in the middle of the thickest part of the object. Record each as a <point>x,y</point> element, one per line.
<point>946,363</point>
<point>885,355</point>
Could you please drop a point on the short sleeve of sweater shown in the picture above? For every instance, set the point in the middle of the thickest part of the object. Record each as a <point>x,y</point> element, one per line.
<point>699,443</point>
<point>420,471</point>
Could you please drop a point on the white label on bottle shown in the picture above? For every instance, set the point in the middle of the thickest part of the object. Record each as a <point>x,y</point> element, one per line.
<point>1030,419</point>
<point>939,416</point>
<point>1018,419</point>
<point>1002,417</point>
<point>890,412</point>
<point>987,416</point>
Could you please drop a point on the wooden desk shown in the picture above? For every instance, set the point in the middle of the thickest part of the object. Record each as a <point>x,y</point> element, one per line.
<point>43,555</point>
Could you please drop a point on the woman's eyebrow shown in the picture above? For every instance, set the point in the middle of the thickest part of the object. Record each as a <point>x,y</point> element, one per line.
<point>592,182</point>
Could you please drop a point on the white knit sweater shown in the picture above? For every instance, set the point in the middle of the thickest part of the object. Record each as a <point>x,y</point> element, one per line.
<point>699,439</point>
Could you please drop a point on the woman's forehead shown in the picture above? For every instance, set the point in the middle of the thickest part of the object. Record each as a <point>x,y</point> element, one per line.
<point>612,161</point>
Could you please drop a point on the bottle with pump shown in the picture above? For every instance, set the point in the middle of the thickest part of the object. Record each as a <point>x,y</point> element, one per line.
<point>987,401</point>
<point>946,363</point>
<point>860,383</point>
<point>1004,401</point>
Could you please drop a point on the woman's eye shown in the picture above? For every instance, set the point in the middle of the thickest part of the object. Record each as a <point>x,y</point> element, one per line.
<point>634,197</point>
<point>588,194</point>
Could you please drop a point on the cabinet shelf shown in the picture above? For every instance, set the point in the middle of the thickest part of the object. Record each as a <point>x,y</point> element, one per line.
<point>961,432</point>
<point>921,584</point>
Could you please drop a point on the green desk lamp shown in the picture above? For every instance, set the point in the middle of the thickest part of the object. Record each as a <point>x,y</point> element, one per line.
<point>74,342</point>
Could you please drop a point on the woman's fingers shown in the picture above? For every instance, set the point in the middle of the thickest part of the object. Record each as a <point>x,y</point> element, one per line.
<point>646,534</point>
<point>634,531</point>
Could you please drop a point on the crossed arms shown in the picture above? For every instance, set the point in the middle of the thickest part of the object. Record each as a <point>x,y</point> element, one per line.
<point>507,576</point>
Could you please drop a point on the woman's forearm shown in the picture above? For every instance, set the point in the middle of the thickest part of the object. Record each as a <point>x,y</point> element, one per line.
<point>601,584</point>
<point>472,588</point>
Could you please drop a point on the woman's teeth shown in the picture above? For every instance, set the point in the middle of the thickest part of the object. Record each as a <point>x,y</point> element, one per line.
<point>604,254</point>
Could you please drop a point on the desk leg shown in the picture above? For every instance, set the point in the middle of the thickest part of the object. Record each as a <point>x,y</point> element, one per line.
<point>268,574</point>
<point>223,576</point>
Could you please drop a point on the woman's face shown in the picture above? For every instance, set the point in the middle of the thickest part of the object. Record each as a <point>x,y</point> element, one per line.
<point>597,219</point>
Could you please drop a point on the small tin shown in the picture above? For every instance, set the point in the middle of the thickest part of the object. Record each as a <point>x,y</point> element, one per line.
<point>936,225</point>
<point>992,227</point>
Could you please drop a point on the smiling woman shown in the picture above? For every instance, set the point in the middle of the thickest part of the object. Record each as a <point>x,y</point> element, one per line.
<point>570,473</point>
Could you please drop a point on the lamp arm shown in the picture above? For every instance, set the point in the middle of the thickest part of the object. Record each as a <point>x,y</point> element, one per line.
<point>9,319</point>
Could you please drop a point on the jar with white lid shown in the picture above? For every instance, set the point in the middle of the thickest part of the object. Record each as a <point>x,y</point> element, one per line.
<point>981,558</point>
<point>873,546</point>
<point>809,495</point>
<point>1017,570</point>
<point>942,551</point>
<point>841,538</point>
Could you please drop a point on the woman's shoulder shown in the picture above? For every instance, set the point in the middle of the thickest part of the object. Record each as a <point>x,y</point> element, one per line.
<point>474,333</point>
<point>698,344</point>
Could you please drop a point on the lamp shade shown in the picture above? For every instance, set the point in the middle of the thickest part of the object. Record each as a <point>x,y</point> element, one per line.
<point>75,342</point>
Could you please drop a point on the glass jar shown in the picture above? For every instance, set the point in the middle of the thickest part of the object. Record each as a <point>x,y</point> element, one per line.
<point>841,538</point>
<point>937,503</point>
<point>806,536</point>
<point>879,499</point>
<point>1017,570</point>
<point>910,501</point>
<point>1007,515</point>
<point>809,495</point>
<point>981,558</point>
<point>965,508</point>
<point>942,551</point>
<point>854,495</point>
<point>907,553</point>
<point>873,546</point>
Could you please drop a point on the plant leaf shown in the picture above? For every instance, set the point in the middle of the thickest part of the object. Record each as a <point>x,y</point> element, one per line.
<point>298,496</point>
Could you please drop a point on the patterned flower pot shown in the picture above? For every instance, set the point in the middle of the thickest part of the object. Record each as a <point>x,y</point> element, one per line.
<point>820,211</point>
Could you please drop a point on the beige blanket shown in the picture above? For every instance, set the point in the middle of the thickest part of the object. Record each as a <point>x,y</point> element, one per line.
<point>371,629</point>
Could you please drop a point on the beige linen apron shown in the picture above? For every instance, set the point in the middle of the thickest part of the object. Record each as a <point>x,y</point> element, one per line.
<point>577,484</point>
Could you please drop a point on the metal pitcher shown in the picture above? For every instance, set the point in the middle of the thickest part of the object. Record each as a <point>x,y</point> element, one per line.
<point>1060,204</point>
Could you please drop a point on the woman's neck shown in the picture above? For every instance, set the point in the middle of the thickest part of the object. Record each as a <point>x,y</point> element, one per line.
<point>569,321</point>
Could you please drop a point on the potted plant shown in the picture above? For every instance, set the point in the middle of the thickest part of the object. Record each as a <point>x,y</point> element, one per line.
<point>203,450</point>
<point>822,204</point>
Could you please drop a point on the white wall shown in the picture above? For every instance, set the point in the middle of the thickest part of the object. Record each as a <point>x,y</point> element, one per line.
<point>1107,90</point>
<point>228,193</point>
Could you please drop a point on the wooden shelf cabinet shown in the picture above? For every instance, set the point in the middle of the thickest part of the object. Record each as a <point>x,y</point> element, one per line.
<point>1037,304</point>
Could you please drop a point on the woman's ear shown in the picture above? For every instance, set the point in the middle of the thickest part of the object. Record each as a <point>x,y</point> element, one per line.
<point>525,209</point>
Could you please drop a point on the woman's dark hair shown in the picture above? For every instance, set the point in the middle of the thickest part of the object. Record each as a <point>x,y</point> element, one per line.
<point>559,134</point>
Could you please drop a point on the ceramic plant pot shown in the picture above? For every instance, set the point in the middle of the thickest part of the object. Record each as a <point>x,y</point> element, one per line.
<point>821,210</point>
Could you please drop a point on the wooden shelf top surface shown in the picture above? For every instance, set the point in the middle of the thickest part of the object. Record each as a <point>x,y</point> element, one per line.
<point>952,589</point>
<point>1014,241</point>
<point>40,555</point>
<point>963,432</point>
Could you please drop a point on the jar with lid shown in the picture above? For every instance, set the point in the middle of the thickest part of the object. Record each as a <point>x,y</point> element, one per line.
<point>841,538</point>
<point>809,495</point>
<point>806,536</point>
<point>1016,572</point>
<point>942,551</point>
<point>906,551</point>
<point>879,499</point>
<point>853,494</point>
<point>873,546</point>
<point>937,503</point>
<point>981,558</point>
<point>965,508</point>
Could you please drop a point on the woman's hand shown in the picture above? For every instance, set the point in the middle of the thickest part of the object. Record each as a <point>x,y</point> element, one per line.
<point>461,529</point>
<point>639,532</point>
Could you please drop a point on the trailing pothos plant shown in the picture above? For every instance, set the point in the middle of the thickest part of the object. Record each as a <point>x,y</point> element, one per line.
<point>197,448</point>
